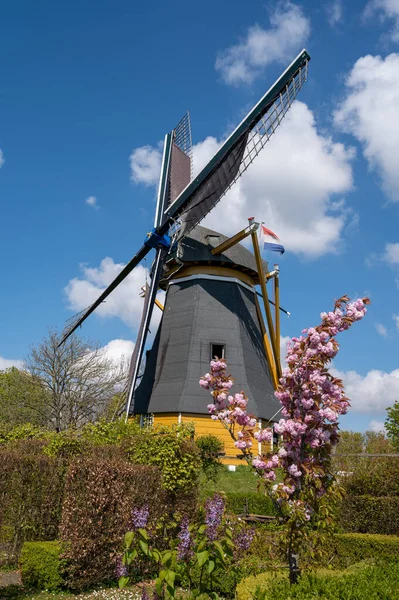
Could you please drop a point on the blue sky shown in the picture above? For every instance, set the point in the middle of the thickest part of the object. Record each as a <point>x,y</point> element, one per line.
<point>88,91</point>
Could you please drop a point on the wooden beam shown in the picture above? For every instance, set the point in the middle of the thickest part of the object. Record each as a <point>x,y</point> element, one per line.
<point>235,239</point>
<point>262,281</point>
<point>266,345</point>
<point>277,311</point>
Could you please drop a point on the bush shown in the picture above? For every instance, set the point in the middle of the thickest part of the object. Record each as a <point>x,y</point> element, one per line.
<point>99,498</point>
<point>41,566</point>
<point>210,448</point>
<point>359,582</point>
<point>368,514</point>
<point>378,476</point>
<point>173,450</point>
<point>351,548</point>
<point>257,504</point>
<point>31,492</point>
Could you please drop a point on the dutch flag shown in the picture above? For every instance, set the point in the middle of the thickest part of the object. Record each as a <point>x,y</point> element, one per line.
<point>264,235</point>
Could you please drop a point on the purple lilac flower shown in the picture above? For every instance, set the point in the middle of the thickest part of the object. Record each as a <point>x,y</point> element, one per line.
<point>140,517</point>
<point>214,509</point>
<point>185,544</point>
<point>120,569</point>
<point>243,540</point>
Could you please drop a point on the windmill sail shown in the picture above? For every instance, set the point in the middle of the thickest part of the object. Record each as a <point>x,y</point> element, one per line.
<point>240,149</point>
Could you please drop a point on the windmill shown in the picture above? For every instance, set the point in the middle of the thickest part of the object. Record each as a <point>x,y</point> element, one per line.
<point>204,270</point>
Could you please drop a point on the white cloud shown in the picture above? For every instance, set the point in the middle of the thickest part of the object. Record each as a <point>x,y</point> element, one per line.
<point>396,319</point>
<point>370,113</point>
<point>334,12</point>
<point>288,32</point>
<point>377,426</point>
<point>7,363</point>
<point>381,330</point>
<point>387,10</point>
<point>295,186</point>
<point>373,392</point>
<point>92,201</point>
<point>145,164</point>
<point>124,302</point>
<point>1,158</point>
<point>119,351</point>
<point>391,254</point>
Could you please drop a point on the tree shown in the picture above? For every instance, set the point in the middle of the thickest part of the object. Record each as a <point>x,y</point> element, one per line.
<point>312,401</point>
<point>392,424</point>
<point>77,378</point>
<point>18,394</point>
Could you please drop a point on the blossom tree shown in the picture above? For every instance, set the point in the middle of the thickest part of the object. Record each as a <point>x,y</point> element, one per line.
<point>312,400</point>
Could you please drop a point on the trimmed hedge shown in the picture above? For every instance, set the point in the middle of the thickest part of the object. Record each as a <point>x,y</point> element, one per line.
<point>360,582</point>
<point>369,514</point>
<point>258,504</point>
<point>41,565</point>
<point>31,492</point>
<point>351,548</point>
<point>99,498</point>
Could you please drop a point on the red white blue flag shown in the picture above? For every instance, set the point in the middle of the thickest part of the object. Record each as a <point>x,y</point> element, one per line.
<point>265,235</point>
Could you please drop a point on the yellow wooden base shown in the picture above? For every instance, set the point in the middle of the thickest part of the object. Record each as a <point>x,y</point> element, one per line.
<point>204,425</point>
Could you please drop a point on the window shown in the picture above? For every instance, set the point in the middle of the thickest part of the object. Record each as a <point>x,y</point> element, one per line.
<point>147,420</point>
<point>218,350</point>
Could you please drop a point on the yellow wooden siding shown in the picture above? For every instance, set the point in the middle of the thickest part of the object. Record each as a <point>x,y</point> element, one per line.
<point>204,425</point>
<point>165,419</point>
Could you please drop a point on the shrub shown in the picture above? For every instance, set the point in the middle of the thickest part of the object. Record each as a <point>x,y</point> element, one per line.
<point>210,448</point>
<point>359,582</point>
<point>351,548</point>
<point>41,566</point>
<point>368,514</point>
<point>173,450</point>
<point>378,476</point>
<point>99,498</point>
<point>31,492</point>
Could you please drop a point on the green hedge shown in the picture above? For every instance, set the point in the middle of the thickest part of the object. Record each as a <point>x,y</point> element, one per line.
<point>351,548</point>
<point>369,514</point>
<point>360,582</point>
<point>41,566</point>
<point>258,504</point>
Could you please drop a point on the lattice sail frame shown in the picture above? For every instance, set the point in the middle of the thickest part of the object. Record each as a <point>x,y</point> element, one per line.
<point>182,135</point>
<point>265,127</point>
<point>261,133</point>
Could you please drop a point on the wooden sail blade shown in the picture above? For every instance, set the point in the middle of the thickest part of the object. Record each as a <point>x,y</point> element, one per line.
<point>240,149</point>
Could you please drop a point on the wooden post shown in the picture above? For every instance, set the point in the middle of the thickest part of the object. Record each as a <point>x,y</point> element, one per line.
<point>266,344</point>
<point>262,281</point>
<point>277,311</point>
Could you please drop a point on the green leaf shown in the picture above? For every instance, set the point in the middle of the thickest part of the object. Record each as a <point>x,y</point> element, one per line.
<point>129,536</point>
<point>123,581</point>
<point>211,566</point>
<point>219,548</point>
<point>156,555</point>
<point>129,557</point>
<point>166,557</point>
<point>229,533</point>
<point>202,529</point>
<point>202,557</point>
<point>170,578</point>
<point>144,547</point>
<point>143,533</point>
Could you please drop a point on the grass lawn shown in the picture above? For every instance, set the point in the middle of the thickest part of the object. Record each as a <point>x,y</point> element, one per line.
<point>241,480</point>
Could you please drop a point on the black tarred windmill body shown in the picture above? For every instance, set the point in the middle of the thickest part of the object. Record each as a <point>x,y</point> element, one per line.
<point>210,298</point>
